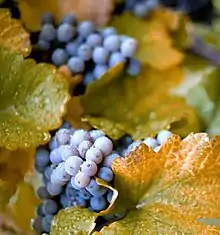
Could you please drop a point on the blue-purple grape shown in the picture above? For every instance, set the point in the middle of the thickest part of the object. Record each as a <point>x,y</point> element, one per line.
<point>108,31</point>
<point>48,32</point>
<point>98,203</point>
<point>81,180</point>
<point>59,57</point>
<point>100,55</point>
<point>134,67</point>
<point>94,154</point>
<point>105,174</point>
<point>49,207</point>
<point>116,58</point>
<point>94,40</point>
<point>72,165</point>
<point>129,47</point>
<point>112,43</point>
<point>89,168</point>
<point>85,52</point>
<point>99,70</point>
<point>76,64</point>
<point>85,28</point>
<point>42,157</point>
<point>65,32</point>
<point>104,144</point>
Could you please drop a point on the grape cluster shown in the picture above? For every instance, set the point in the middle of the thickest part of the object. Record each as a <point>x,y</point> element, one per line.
<point>127,144</point>
<point>141,8</point>
<point>69,166</point>
<point>84,49</point>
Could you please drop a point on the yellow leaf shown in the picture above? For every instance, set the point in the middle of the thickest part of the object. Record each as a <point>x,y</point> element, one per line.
<point>155,43</point>
<point>138,106</point>
<point>32,11</point>
<point>13,166</point>
<point>16,209</point>
<point>169,191</point>
<point>13,35</point>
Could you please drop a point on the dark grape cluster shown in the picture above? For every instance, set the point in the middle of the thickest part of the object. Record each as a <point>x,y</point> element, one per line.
<point>69,166</point>
<point>85,49</point>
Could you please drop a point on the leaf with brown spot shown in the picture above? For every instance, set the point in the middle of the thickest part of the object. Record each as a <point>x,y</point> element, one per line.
<point>13,35</point>
<point>139,106</point>
<point>32,11</point>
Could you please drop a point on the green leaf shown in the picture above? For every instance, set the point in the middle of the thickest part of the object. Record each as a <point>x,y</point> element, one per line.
<point>153,35</point>
<point>74,221</point>
<point>201,90</point>
<point>13,35</point>
<point>139,106</point>
<point>32,101</point>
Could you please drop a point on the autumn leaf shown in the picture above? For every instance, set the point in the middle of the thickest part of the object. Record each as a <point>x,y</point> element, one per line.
<point>13,35</point>
<point>155,43</point>
<point>138,106</point>
<point>32,11</point>
<point>13,166</point>
<point>16,208</point>
<point>169,191</point>
<point>33,100</point>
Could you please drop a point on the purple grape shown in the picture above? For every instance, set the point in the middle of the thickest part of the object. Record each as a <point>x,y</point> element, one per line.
<point>105,174</point>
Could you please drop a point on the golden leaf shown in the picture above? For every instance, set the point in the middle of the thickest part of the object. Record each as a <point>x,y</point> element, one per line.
<point>155,43</point>
<point>171,189</point>
<point>13,35</point>
<point>139,106</point>
<point>32,11</point>
<point>13,166</point>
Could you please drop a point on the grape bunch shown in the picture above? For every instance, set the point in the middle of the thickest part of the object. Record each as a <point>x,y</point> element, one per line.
<point>85,49</point>
<point>141,8</point>
<point>128,145</point>
<point>69,166</point>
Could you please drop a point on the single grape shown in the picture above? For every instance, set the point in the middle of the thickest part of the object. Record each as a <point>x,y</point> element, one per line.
<point>92,186</point>
<point>69,19</point>
<point>88,78</point>
<point>72,48</point>
<point>42,157</point>
<point>81,180</point>
<point>98,203</point>
<point>126,141</point>
<point>74,185</point>
<point>48,171</point>
<point>104,144</point>
<point>105,174</point>
<point>94,154</point>
<point>116,58</point>
<point>109,196</point>
<point>99,192</point>
<point>94,40</point>
<point>129,47</point>
<point>134,67</point>
<point>108,31</point>
<point>64,201</point>
<point>76,65</point>
<point>59,57</point>
<point>66,125</point>
<point>99,70</point>
<point>53,144</point>
<point>83,193</point>
<point>54,189</point>
<point>100,55</point>
<point>124,38</point>
<point>89,168</point>
<point>49,207</point>
<point>55,157</point>
<point>46,223</point>
<point>83,147</point>
<point>163,136</point>
<point>38,211</point>
<point>81,201</point>
<point>157,149</point>
<point>109,159</point>
<point>112,43</point>
<point>72,165</point>
<point>70,191</point>
<point>61,173</point>
<point>39,169</point>
<point>141,10</point>
<point>48,33</point>
<point>85,52</point>
<point>47,18</point>
<point>67,151</point>
<point>37,225</point>
<point>65,32</point>
<point>150,142</point>
<point>43,45</point>
<point>95,134</point>
<point>62,136</point>
<point>85,28</point>
<point>43,193</point>
<point>79,136</point>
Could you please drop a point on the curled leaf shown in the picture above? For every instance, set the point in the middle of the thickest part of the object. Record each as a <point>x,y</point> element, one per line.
<point>138,106</point>
<point>13,35</point>
<point>74,220</point>
<point>32,11</point>
<point>33,98</point>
